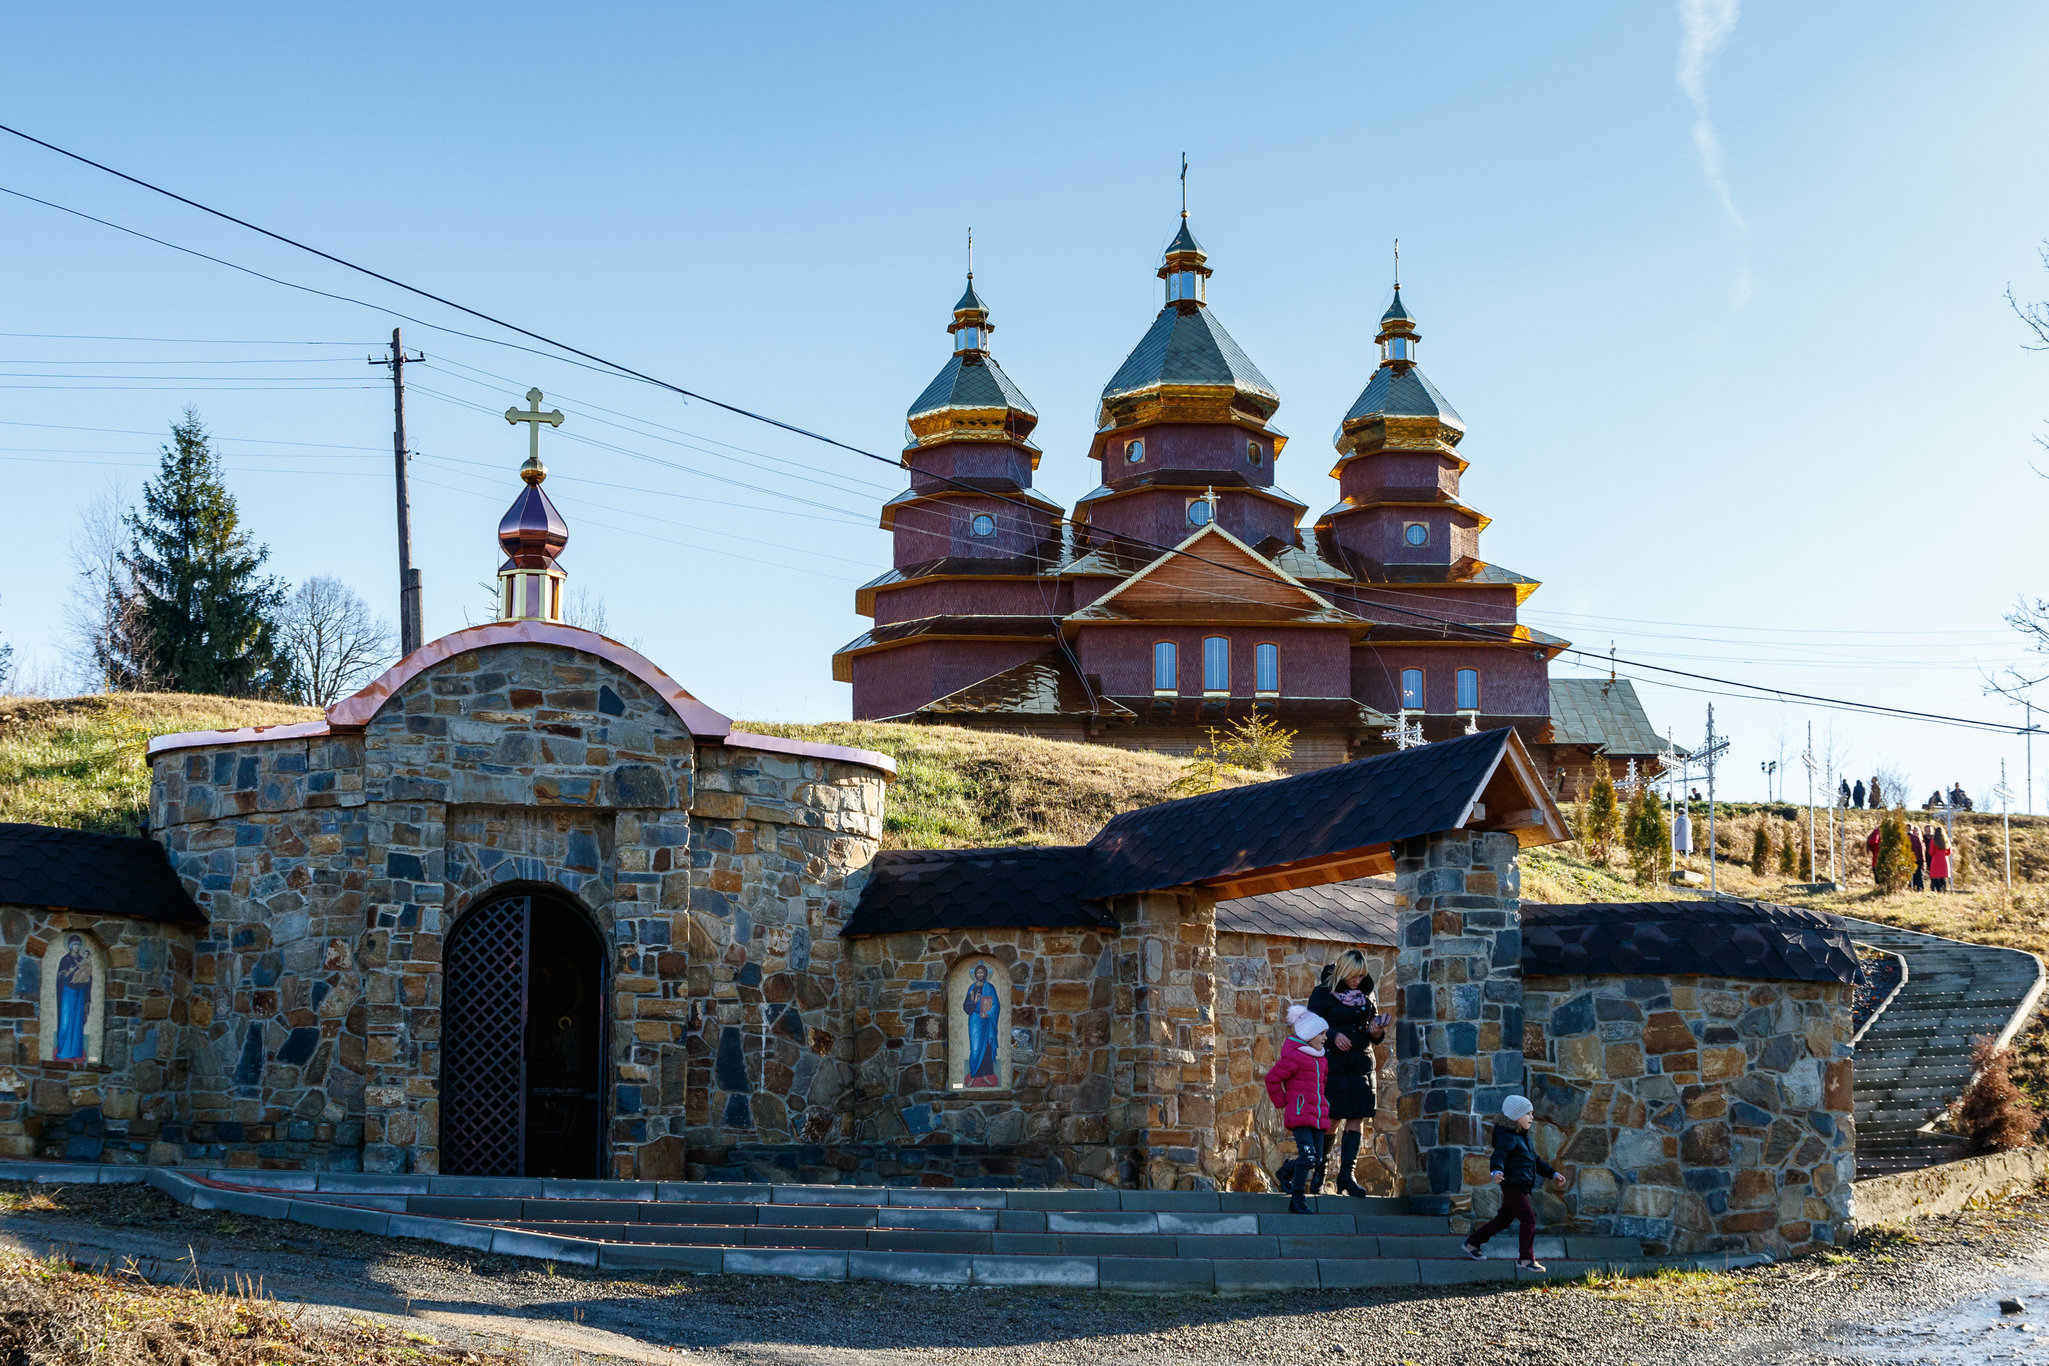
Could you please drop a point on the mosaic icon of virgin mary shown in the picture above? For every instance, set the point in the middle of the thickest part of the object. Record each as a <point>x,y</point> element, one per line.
<point>985,1014</point>
<point>74,1001</point>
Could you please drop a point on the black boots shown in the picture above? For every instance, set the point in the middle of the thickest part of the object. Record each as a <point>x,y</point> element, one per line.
<point>1348,1153</point>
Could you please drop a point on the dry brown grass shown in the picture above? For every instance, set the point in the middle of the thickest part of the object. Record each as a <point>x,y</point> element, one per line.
<point>970,788</point>
<point>78,761</point>
<point>52,1314</point>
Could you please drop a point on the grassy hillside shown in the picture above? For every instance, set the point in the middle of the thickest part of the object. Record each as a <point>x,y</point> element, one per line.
<point>78,761</point>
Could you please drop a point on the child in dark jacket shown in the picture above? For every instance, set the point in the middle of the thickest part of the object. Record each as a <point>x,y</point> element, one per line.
<point>1516,1168</point>
<point>1296,1084</point>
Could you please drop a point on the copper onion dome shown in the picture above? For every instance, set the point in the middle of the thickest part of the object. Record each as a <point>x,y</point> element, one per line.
<point>532,533</point>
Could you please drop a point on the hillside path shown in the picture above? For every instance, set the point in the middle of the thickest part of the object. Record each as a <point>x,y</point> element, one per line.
<point>1916,1057</point>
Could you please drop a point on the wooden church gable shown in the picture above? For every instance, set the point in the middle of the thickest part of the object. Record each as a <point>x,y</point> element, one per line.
<point>1213,576</point>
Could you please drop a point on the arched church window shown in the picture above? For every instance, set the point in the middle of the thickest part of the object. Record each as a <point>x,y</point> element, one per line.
<point>72,1020</point>
<point>1412,690</point>
<point>1216,664</point>
<point>983,525</point>
<point>1253,451</point>
<point>978,1025</point>
<point>1468,689</point>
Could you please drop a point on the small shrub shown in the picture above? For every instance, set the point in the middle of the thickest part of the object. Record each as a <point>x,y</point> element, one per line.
<point>1602,814</point>
<point>1786,855</point>
<point>1760,850</point>
<point>1254,743</point>
<point>1895,854</point>
<point>1649,837</point>
<point>1993,1114</point>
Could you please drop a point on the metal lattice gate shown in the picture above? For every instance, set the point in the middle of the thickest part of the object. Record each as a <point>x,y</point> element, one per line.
<point>483,1031</point>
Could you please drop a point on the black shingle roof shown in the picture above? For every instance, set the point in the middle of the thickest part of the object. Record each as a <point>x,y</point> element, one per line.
<point>953,889</point>
<point>1190,347</point>
<point>1362,912</point>
<point>1402,391</point>
<point>124,875</point>
<point>1720,938</point>
<point>971,380</point>
<point>1359,805</point>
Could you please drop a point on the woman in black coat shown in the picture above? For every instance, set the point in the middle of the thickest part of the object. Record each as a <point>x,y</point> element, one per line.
<point>1344,998</point>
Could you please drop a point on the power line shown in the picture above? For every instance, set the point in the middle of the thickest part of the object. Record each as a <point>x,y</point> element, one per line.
<point>210,436</point>
<point>177,341</point>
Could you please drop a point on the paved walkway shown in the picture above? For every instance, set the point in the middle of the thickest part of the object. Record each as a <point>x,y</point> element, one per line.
<point>1916,1057</point>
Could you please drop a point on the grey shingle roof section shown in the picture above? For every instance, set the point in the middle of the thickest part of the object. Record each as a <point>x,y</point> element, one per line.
<point>1396,311</point>
<point>1188,347</point>
<point>1184,239</point>
<point>1603,712</point>
<point>954,889</point>
<point>1362,912</point>
<point>969,299</point>
<point>970,380</point>
<point>1719,938</point>
<point>1402,391</point>
<point>123,875</point>
<point>1359,805</point>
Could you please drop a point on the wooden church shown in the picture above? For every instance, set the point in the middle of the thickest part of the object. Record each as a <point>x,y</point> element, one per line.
<point>1186,590</point>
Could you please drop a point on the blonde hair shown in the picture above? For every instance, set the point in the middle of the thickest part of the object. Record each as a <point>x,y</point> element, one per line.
<point>1346,964</point>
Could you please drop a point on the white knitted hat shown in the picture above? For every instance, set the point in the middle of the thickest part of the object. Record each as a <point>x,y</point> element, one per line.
<point>1516,1109</point>
<point>1306,1023</point>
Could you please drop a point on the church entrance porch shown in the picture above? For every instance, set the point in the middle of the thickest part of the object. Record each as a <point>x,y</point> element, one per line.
<point>522,1071</point>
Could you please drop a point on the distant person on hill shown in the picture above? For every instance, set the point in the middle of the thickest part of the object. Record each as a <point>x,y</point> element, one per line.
<point>1871,843</point>
<point>1857,794</point>
<point>1920,855</point>
<point>1958,801</point>
<point>1934,802</point>
<point>1938,858</point>
<point>1875,801</point>
<point>1843,797</point>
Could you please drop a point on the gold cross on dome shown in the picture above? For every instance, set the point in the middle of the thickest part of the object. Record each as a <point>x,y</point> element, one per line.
<point>532,415</point>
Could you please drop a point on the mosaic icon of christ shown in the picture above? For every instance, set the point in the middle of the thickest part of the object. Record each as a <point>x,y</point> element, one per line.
<point>985,1016</point>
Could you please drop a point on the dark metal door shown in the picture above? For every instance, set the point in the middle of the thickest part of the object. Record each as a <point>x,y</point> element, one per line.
<point>483,1036</point>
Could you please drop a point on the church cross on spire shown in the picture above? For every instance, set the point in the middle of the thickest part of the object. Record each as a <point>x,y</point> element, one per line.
<point>532,415</point>
<point>971,253</point>
<point>1397,263</point>
<point>1184,184</point>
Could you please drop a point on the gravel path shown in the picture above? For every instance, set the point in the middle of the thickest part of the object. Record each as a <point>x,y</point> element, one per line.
<point>1926,1290</point>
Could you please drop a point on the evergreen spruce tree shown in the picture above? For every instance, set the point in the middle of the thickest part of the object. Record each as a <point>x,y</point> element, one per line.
<point>1760,849</point>
<point>1787,856</point>
<point>201,616</point>
<point>1598,827</point>
<point>1806,862</point>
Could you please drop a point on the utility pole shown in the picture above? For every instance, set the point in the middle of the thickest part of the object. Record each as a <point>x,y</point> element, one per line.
<point>2005,795</point>
<point>409,634</point>
<point>1807,758</point>
<point>1707,756</point>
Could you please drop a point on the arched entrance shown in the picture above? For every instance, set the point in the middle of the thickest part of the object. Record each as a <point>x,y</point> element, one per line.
<point>523,1040</point>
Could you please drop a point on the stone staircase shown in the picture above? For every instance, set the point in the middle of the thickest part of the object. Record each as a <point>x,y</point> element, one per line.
<point>1915,1059</point>
<point>1139,1241</point>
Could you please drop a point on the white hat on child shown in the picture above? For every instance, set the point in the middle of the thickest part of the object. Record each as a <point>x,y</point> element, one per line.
<point>1306,1023</point>
<point>1516,1109</point>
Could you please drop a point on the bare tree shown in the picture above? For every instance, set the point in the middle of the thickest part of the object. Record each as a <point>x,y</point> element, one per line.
<point>335,645</point>
<point>587,609</point>
<point>102,644</point>
<point>1896,782</point>
<point>2030,615</point>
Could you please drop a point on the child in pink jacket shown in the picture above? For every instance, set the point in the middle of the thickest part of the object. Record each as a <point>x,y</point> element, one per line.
<point>1295,1084</point>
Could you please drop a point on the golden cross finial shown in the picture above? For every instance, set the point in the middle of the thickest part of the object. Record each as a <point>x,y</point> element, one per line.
<point>1184,184</point>
<point>532,415</point>
<point>1397,263</point>
<point>971,253</point>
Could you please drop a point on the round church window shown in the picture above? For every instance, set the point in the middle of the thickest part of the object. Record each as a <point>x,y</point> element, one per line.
<point>1198,512</point>
<point>984,524</point>
<point>1415,533</point>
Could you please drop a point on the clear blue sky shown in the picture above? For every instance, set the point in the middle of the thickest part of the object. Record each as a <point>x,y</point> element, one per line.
<point>1791,407</point>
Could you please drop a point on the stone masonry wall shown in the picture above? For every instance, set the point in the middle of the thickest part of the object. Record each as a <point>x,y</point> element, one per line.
<point>1698,1113</point>
<point>1459,1028</point>
<point>1258,977</point>
<point>127,1107</point>
<point>1061,989</point>
<point>773,840</point>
